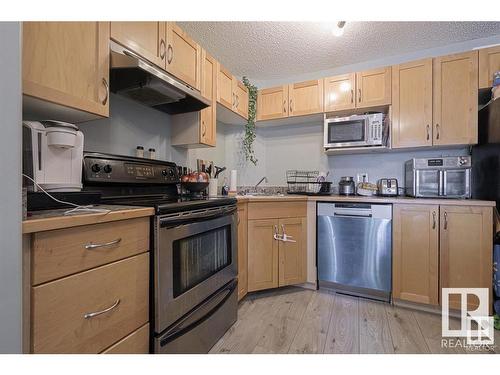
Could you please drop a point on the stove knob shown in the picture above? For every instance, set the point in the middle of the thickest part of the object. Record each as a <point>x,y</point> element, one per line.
<point>96,168</point>
<point>164,172</point>
<point>171,173</point>
<point>107,168</point>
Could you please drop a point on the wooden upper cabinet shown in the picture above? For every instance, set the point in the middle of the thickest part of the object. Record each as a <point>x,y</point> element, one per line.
<point>262,254</point>
<point>373,87</point>
<point>293,255</point>
<point>183,56</point>
<point>67,63</point>
<point>489,63</point>
<point>466,243</point>
<point>412,104</point>
<point>340,92</point>
<point>225,87</point>
<point>240,92</point>
<point>415,253</point>
<point>147,39</point>
<point>208,128</point>
<point>272,103</point>
<point>455,99</point>
<point>305,98</point>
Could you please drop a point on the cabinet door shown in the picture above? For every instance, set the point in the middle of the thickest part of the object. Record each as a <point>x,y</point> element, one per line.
<point>144,38</point>
<point>489,63</point>
<point>272,103</point>
<point>466,243</point>
<point>225,87</point>
<point>293,255</point>
<point>374,87</point>
<point>183,56</point>
<point>305,98</point>
<point>262,254</point>
<point>240,92</point>
<point>455,99</point>
<point>242,250</point>
<point>415,253</point>
<point>67,63</point>
<point>340,92</point>
<point>208,128</point>
<point>412,104</point>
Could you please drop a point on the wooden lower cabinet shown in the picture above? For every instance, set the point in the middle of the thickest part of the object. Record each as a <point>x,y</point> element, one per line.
<point>445,246</point>
<point>466,245</point>
<point>135,343</point>
<point>262,254</point>
<point>415,253</point>
<point>274,263</point>
<point>293,255</point>
<point>242,250</point>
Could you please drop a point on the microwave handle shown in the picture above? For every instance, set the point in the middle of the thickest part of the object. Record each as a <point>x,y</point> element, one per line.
<point>442,183</point>
<point>445,182</point>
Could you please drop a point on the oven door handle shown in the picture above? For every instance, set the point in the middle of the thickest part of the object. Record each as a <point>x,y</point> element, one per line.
<point>200,314</point>
<point>194,217</point>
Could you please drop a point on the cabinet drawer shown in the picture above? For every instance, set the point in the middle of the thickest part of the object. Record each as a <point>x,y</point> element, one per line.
<point>274,210</point>
<point>59,308</point>
<point>64,252</point>
<point>135,343</point>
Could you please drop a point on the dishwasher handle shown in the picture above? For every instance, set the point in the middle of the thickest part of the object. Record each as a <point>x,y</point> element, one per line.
<point>352,212</point>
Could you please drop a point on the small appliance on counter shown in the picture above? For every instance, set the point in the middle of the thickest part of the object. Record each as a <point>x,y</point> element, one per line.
<point>445,177</point>
<point>388,187</point>
<point>52,156</point>
<point>346,186</point>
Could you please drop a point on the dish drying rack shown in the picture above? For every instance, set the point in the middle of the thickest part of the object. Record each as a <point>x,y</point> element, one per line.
<point>306,182</point>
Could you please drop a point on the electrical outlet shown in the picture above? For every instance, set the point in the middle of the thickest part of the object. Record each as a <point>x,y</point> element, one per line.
<point>362,177</point>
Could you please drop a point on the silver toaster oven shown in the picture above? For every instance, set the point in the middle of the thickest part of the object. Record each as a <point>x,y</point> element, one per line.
<point>445,177</point>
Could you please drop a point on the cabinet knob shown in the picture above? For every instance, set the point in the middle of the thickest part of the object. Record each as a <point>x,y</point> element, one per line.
<point>437,131</point>
<point>352,96</point>
<point>433,219</point>
<point>359,93</point>
<point>291,108</point>
<point>428,133</point>
<point>445,220</point>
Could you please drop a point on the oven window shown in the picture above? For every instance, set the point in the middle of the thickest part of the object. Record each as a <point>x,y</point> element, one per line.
<point>348,131</point>
<point>456,182</point>
<point>428,182</point>
<point>198,257</point>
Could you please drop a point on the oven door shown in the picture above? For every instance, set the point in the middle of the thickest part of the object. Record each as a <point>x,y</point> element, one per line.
<point>349,131</point>
<point>428,183</point>
<point>195,255</point>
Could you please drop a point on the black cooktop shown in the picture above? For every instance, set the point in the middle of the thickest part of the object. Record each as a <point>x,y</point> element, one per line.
<point>166,205</point>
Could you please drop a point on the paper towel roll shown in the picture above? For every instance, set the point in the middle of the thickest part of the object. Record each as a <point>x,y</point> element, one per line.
<point>233,185</point>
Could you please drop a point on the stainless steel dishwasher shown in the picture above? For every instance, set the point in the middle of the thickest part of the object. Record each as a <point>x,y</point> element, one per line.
<point>354,248</point>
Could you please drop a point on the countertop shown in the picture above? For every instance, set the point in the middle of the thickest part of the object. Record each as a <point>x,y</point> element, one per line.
<point>362,199</point>
<point>55,219</point>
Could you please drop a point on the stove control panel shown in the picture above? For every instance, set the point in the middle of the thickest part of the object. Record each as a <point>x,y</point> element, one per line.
<point>103,168</point>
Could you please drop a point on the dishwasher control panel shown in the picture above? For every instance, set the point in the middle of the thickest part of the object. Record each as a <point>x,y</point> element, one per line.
<point>347,209</point>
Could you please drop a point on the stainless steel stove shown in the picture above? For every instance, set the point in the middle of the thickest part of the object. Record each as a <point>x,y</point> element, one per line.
<point>194,250</point>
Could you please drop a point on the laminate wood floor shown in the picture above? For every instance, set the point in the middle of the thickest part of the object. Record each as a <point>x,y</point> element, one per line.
<point>296,320</point>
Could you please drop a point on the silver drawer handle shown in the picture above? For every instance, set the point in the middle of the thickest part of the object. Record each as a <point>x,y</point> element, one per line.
<point>91,245</point>
<point>94,314</point>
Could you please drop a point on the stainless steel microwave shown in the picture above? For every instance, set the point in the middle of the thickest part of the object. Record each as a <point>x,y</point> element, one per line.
<point>446,177</point>
<point>354,131</point>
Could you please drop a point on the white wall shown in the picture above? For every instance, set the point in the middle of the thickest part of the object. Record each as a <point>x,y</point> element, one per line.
<point>131,124</point>
<point>10,204</point>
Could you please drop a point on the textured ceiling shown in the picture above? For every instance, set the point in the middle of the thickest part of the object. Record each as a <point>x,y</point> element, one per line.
<point>274,50</point>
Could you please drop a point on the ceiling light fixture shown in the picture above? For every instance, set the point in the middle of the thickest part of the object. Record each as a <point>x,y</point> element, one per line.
<point>338,29</point>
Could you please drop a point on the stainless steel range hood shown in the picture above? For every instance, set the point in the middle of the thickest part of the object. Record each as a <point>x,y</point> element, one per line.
<point>138,79</point>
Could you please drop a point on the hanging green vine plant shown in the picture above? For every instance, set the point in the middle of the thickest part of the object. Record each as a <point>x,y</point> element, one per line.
<point>249,137</point>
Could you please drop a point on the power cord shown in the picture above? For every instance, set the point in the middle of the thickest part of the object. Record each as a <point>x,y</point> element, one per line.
<point>76,207</point>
